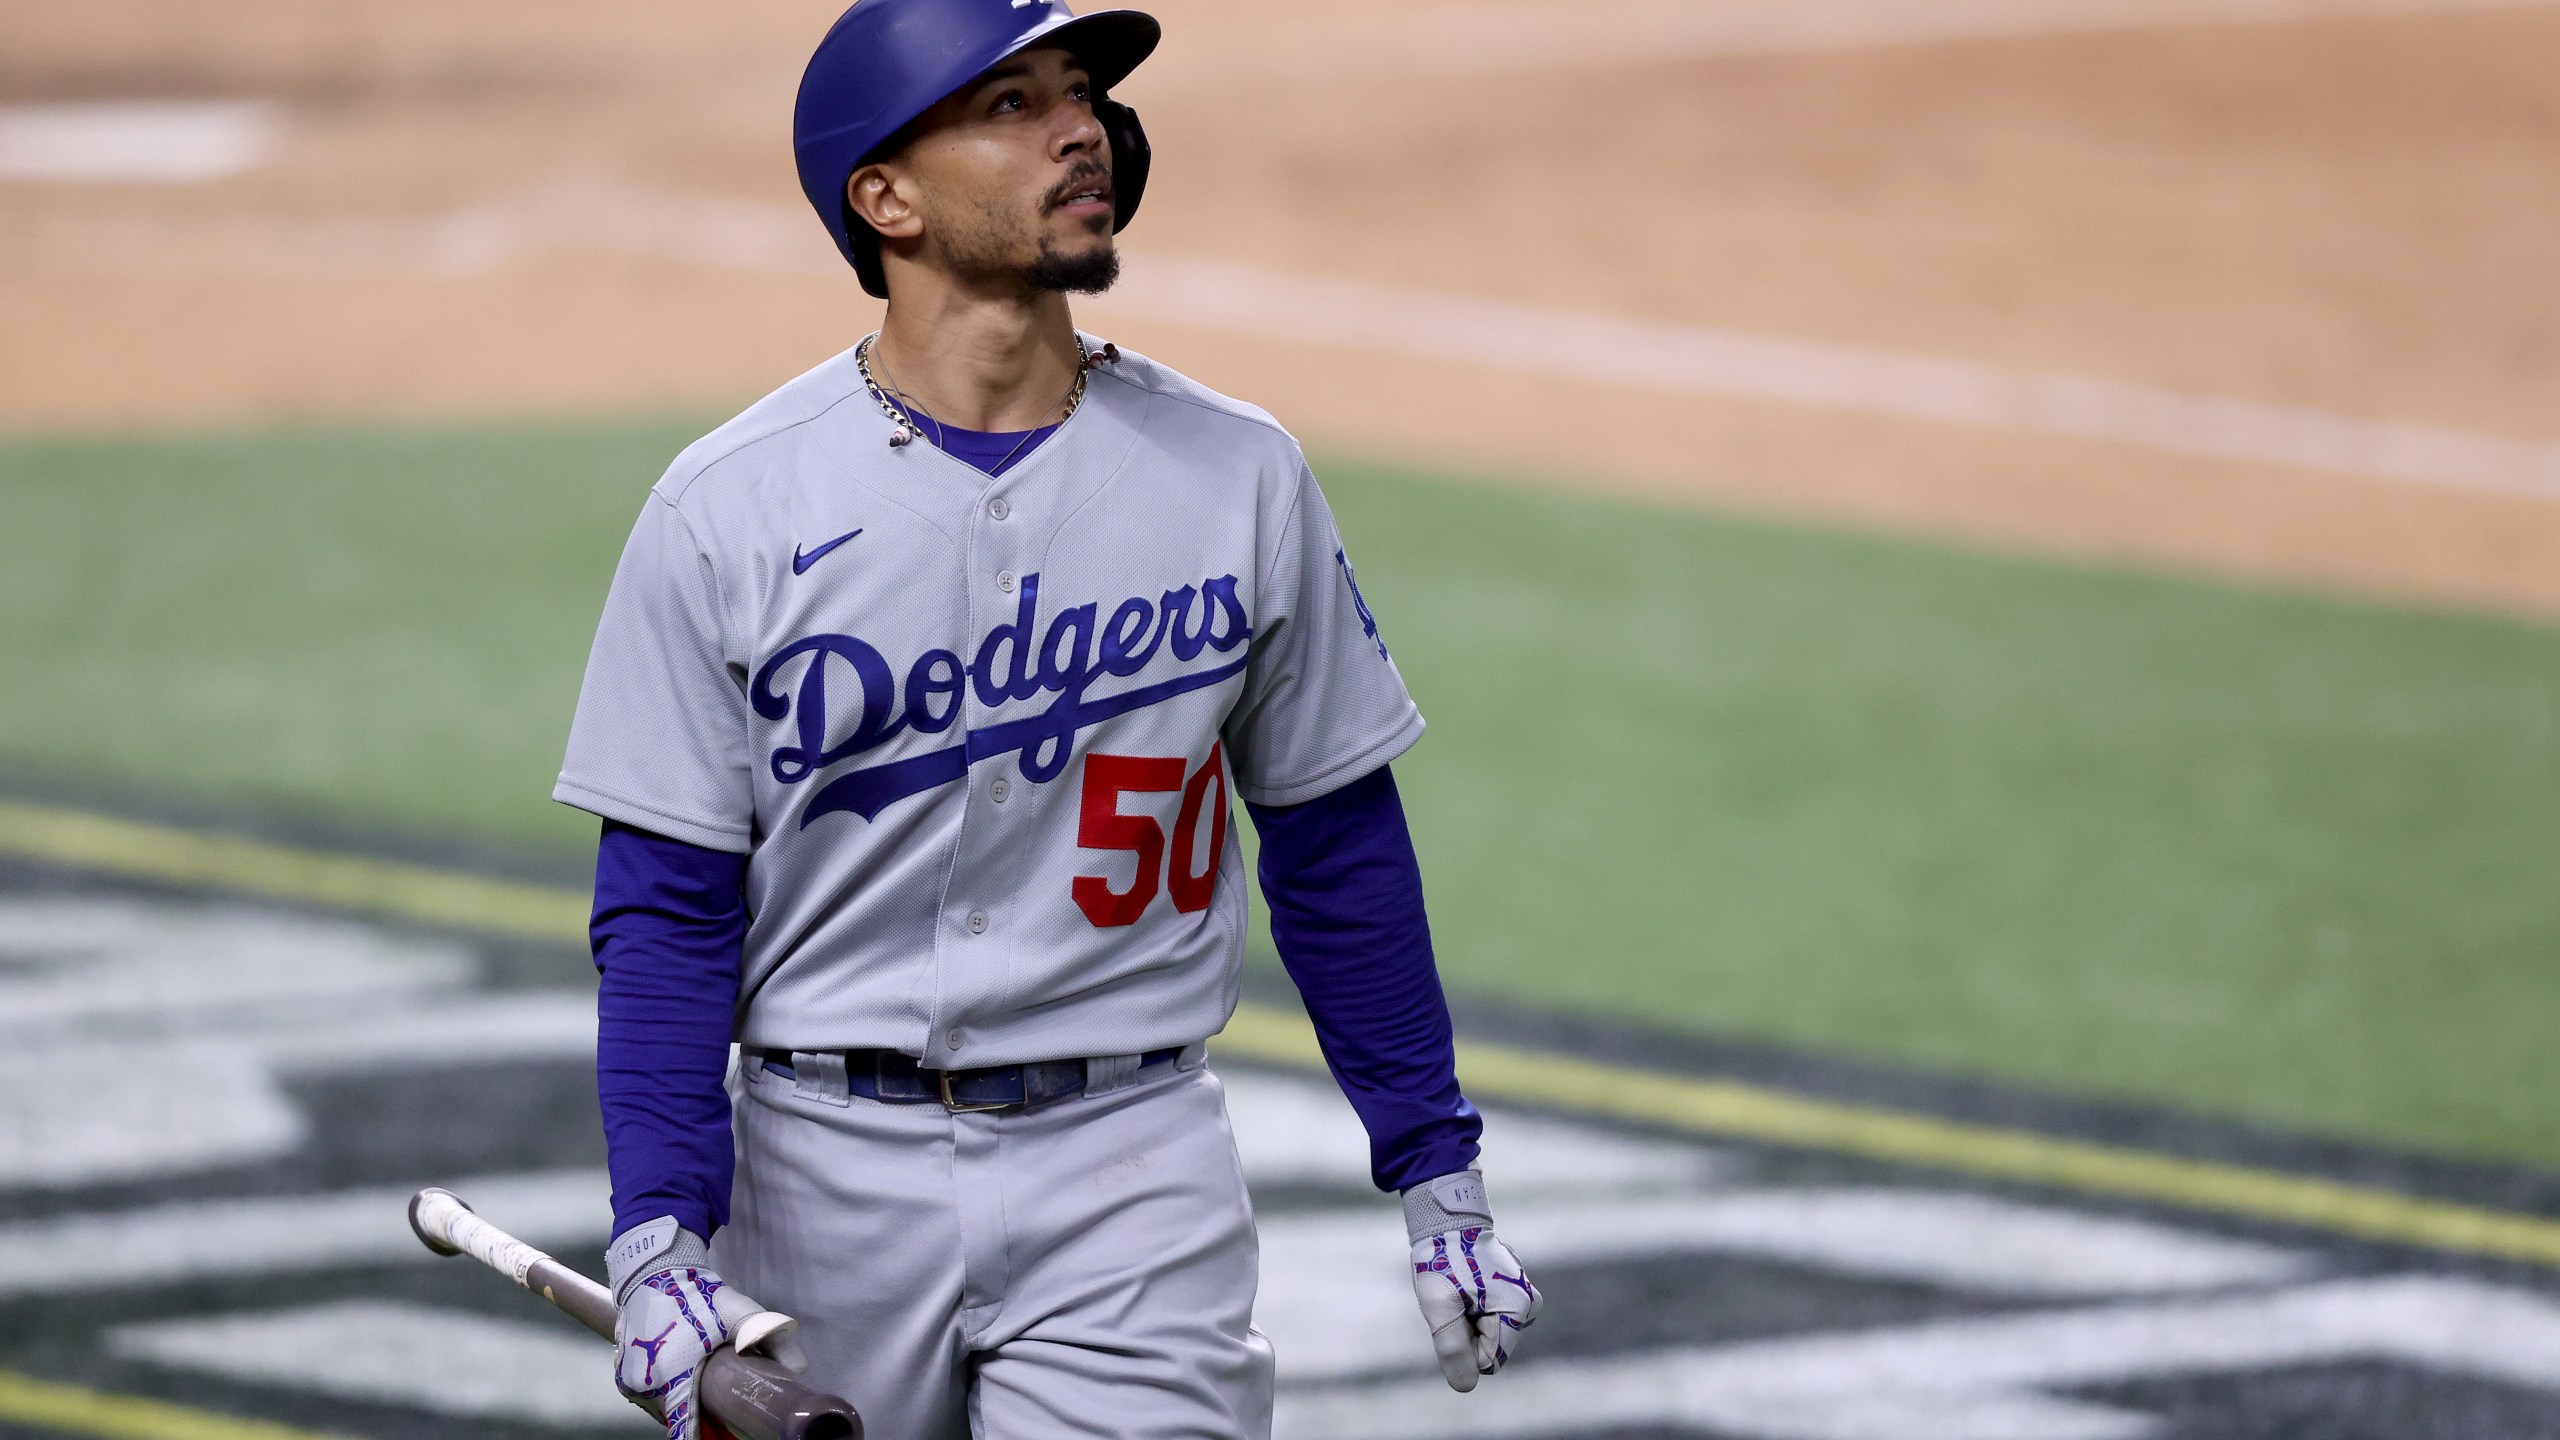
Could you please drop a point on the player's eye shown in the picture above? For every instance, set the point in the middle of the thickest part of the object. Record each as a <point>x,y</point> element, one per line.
<point>1008,102</point>
<point>1081,90</point>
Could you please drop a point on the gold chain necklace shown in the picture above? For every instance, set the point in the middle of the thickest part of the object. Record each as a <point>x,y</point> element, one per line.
<point>906,430</point>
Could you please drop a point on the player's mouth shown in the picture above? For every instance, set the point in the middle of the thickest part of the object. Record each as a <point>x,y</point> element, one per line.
<point>1087,192</point>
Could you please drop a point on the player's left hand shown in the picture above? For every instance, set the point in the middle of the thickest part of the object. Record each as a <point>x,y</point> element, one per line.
<point>674,1313</point>
<point>1475,1293</point>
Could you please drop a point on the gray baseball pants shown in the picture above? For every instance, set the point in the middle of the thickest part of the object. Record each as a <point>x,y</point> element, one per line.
<point>1085,1268</point>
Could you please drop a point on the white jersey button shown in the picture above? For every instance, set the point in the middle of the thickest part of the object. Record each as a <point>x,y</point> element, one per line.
<point>1000,789</point>
<point>977,922</point>
<point>953,1039</point>
<point>998,508</point>
<point>1004,581</point>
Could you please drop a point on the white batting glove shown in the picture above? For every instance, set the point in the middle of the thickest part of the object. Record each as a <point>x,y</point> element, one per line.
<point>1475,1293</point>
<point>675,1313</point>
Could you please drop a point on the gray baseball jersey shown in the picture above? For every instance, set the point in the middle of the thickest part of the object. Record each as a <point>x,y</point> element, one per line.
<point>977,735</point>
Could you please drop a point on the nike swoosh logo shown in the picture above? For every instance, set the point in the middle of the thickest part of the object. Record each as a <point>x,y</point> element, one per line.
<point>801,561</point>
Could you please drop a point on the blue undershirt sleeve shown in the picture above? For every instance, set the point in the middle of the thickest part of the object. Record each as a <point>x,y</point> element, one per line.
<point>669,927</point>
<point>1345,892</point>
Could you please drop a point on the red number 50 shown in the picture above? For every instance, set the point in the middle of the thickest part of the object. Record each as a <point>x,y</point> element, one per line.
<point>1101,826</point>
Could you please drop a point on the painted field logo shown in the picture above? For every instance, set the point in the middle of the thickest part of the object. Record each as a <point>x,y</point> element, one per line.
<point>1011,666</point>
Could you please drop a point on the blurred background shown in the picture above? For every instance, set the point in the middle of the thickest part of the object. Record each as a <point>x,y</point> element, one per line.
<point>1985,564</point>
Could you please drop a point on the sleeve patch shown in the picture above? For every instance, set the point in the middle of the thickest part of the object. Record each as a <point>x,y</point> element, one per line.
<point>1359,602</point>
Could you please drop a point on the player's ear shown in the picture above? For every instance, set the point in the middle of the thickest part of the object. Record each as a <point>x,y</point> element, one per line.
<point>884,199</point>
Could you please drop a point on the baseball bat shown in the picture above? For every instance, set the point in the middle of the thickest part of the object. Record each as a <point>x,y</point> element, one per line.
<point>749,1396</point>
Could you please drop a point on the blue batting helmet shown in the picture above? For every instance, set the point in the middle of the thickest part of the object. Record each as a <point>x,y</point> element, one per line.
<point>886,62</point>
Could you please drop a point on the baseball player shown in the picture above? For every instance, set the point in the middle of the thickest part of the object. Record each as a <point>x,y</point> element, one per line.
<point>912,720</point>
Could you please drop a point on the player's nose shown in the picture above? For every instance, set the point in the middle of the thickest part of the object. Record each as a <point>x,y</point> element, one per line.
<point>1079,134</point>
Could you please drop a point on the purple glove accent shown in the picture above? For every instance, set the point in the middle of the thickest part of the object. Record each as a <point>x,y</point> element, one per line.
<point>1475,1301</point>
<point>1346,913</point>
<point>668,1326</point>
<point>670,920</point>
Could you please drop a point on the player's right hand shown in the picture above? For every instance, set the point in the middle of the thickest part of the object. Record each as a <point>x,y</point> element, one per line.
<point>675,1312</point>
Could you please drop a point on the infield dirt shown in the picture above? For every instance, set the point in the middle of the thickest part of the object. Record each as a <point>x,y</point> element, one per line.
<point>2353,214</point>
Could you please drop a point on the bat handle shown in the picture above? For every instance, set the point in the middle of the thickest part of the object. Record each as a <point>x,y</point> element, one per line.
<point>748,1396</point>
<point>449,1227</point>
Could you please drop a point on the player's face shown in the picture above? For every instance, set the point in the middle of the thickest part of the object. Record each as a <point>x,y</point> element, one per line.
<point>1012,176</point>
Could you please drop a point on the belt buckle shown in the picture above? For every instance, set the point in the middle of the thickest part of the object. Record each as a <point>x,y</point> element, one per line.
<point>964,1107</point>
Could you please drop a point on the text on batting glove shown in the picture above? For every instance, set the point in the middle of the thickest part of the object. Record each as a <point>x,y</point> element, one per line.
<point>675,1312</point>
<point>1475,1294</point>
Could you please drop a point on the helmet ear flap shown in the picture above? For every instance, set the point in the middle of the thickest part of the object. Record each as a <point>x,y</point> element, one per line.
<point>1130,159</point>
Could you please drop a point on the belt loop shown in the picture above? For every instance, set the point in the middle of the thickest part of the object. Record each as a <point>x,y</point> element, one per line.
<point>1193,1056</point>
<point>1106,1073</point>
<point>822,1076</point>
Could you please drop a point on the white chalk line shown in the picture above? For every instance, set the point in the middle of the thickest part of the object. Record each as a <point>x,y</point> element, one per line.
<point>1526,36</point>
<point>1545,342</point>
<point>162,142</point>
<point>1555,343</point>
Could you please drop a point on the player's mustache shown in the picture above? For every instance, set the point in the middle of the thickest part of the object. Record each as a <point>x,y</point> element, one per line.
<point>1083,179</point>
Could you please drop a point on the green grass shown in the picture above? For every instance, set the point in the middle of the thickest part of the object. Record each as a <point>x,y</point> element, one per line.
<point>386,624</point>
<point>2265,855</point>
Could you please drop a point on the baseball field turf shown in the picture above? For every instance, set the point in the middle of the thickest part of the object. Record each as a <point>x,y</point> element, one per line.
<point>2270,856</point>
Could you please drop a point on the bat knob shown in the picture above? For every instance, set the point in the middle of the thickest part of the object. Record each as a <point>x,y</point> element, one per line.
<point>766,1330</point>
<point>429,1235</point>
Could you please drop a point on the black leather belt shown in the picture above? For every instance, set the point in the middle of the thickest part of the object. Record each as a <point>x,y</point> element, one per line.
<point>896,1078</point>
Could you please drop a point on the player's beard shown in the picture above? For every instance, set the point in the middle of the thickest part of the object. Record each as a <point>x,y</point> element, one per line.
<point>981,245</point>
<point>981,238</point>
<point>1088,274</point>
